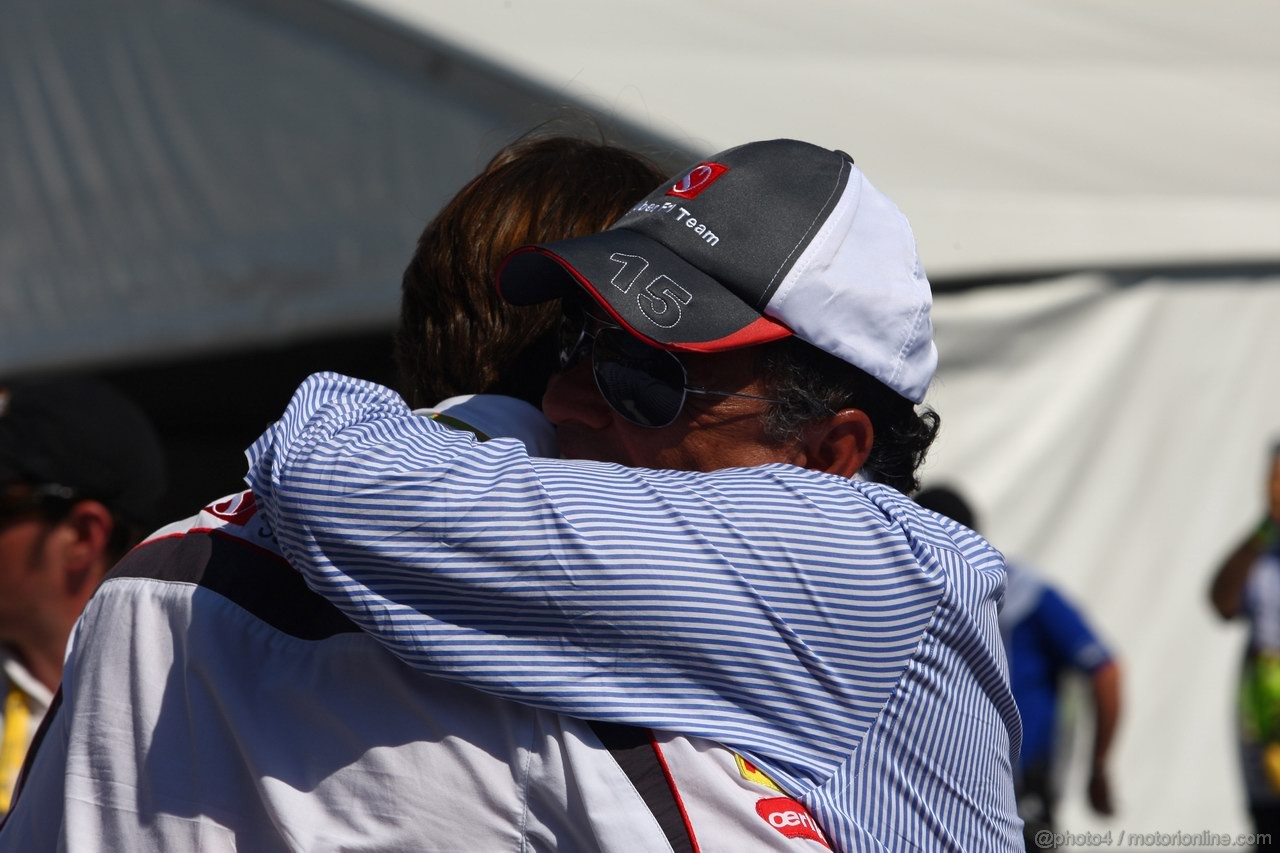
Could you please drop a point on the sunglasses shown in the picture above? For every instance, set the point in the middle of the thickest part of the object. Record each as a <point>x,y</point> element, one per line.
<point>645,385</point>
<point>52,499</point>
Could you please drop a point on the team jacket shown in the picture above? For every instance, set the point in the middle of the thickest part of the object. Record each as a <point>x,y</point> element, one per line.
<point>212,702</point>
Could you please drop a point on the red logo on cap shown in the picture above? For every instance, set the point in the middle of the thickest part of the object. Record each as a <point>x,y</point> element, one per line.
<point>791,819</point>
<point>237,509</point>
<point>699,178</point>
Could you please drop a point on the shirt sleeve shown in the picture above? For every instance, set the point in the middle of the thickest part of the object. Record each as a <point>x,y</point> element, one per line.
<point>683,601</point>
<point>1069,636</point>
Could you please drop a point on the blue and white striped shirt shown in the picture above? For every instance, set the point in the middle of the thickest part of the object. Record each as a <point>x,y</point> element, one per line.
<point>842,638</point>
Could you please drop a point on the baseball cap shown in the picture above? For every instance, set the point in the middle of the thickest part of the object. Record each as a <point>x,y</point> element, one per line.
<point>761,241</point>
<point>82,434</point>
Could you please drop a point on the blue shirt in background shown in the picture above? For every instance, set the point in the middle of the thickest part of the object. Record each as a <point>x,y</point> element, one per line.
<point>1046,637</point>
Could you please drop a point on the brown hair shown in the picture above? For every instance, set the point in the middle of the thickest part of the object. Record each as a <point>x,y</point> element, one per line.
<point>456,335</point>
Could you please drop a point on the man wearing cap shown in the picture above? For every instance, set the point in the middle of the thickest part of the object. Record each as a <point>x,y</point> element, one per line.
<point>212,702</point>
<point>80,472</point>
<point>738,348</point>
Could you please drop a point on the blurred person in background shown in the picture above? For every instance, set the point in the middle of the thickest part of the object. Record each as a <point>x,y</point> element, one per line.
<point>246,712</point>
<point>1047,638</point>
<point>1247,585</point>
<point>81,470</point>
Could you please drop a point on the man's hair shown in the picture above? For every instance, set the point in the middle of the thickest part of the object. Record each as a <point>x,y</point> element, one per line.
<point>812,384</point>
<point>456,335</point>
<point>945,500</point>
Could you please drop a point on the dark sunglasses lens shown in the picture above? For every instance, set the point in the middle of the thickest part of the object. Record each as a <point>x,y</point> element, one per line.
<point>642,383</point>
<point>572,335</point>
<point>53,501</point>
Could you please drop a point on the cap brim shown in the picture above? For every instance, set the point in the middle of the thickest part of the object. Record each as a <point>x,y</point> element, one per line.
<point>647,288</point>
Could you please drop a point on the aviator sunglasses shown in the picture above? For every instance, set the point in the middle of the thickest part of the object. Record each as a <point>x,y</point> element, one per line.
<point>645,385</point>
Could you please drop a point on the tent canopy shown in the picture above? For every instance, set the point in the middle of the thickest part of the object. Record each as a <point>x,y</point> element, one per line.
<point>193,175</point>
<point>1017,136</point>
<point>184,176</point>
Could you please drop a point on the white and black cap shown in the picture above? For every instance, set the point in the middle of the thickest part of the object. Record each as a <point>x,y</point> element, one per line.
<point>762,241</point>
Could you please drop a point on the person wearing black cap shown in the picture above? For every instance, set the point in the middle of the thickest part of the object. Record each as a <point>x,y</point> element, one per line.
<point>81,469</point>
<point>746,346</point>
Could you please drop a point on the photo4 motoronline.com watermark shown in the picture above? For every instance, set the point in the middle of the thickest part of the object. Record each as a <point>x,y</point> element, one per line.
<point>1121,839</point>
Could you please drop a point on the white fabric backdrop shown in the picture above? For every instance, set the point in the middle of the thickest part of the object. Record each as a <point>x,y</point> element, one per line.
<point>1017,135</point>
<point>1115,435</point>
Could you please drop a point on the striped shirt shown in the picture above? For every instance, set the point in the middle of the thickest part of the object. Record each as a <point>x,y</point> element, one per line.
<point>839,636</point>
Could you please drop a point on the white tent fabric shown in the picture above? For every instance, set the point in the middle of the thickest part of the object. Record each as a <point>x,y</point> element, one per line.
<point>1114,433</point>
<point>1017,135</point>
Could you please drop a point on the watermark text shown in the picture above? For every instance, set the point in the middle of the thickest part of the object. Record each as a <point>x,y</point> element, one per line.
<point>1203,840</point>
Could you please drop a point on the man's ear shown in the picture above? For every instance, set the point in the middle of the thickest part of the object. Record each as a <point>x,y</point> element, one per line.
<point>90,525</point>
<point>839,444</point>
